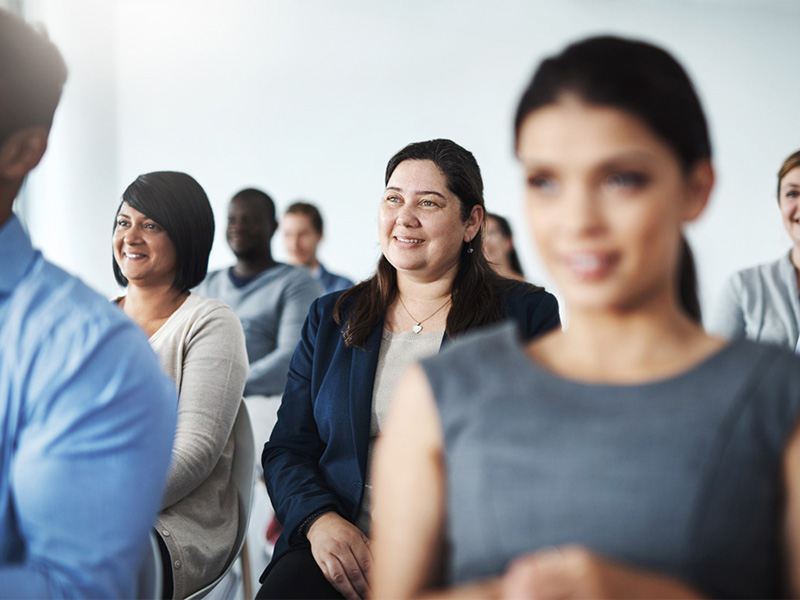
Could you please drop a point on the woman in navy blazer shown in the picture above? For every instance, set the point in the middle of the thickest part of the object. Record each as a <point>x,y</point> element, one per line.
<point>316,461</point>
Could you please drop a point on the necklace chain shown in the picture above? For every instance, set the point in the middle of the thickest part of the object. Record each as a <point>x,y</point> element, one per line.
<point>418,327</point>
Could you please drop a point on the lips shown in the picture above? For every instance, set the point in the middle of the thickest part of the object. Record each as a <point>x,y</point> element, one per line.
<point>133,256</point>
<point>590,266</point>
<point>408,240</point>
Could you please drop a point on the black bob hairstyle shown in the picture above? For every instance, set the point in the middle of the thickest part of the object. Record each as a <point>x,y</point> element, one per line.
<point>639,79</point>
<point>180,205</point>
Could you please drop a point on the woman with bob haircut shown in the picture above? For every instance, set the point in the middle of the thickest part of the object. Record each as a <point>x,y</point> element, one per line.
<point>631,455</point>
<point>499,248</point>
<point>163,231</point>
<point>432,284</point>
<point>762,303</point>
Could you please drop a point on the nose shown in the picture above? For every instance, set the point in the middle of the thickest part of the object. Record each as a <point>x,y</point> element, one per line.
<point>584,214</point>
<point>407,216</point>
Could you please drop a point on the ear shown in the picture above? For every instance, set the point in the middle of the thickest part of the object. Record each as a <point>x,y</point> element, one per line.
<point>698,190</point>
<point>21,152</point>
<point>473,222</point>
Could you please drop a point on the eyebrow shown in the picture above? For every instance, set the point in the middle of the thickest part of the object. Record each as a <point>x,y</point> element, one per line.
<point>418,193</point>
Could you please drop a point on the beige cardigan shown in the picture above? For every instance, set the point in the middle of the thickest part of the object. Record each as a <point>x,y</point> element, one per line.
<point>201,346</point>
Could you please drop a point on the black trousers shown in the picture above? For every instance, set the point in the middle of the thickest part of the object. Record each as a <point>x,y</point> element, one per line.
<point>296,575</point>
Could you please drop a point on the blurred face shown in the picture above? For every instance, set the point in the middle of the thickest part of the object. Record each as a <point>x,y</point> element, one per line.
<point>419,221</point>
<point>249,228</point>
<point>301,239</point>
<point>606,200</point>
<point>143,249</point>
<point>496,246</point>
<point>789,201</point>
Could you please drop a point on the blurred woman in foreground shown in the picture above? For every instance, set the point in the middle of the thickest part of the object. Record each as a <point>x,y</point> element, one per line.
<point>631,455</point>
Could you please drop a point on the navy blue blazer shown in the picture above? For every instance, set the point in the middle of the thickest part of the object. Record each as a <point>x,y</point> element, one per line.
<point>316,457</point>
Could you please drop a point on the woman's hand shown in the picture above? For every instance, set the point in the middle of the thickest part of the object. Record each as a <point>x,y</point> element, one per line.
<point>342,553</point>
<point>575,572</point>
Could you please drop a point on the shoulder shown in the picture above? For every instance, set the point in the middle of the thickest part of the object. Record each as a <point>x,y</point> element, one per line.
<point>771,271</point>
<point>480,346</point>
<point>200,308</point>
<point>769,383</point>
<point>67,336</point>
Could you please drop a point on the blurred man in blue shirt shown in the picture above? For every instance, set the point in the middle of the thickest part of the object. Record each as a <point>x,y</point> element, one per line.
<point>302,233</point>
<point>86,415</point>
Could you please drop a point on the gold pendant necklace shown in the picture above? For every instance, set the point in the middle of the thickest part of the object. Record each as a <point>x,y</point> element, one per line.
<point>418,326</point>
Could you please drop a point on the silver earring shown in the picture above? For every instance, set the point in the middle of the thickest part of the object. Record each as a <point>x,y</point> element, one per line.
<point>470,249</point>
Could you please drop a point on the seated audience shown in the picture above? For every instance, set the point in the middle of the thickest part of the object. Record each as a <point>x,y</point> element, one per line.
<point>302,233</point>
<point>87,417</point>
<point>270,298</point>
<point>432,284</point>
<point>763,303</point>
<point>631,455</point>
<point>163,233</point>
<point>499,248</point>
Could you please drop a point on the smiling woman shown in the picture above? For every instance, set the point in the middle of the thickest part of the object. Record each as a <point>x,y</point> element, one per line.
<point>762,303</point>
<point>163,232</point>
<point>432,284</point>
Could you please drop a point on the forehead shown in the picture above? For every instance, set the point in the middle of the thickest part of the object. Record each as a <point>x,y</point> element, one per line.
<point>246,205</point>
<point>296,221</point>
<point>584,134</point>
<point>127,210</point>
<point>792,178</point>
<point>418,176</point>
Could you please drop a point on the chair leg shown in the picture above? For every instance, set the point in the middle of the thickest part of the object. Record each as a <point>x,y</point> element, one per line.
<point>247,581</point>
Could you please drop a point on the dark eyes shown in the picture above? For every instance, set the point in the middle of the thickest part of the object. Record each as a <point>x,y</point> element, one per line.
<point>629,180</point>
<point>792,194</point>
<point>541,183</point>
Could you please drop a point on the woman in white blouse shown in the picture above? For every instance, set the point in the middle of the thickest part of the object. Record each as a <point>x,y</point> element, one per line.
<point>163,232</point>
<point>762,303</point>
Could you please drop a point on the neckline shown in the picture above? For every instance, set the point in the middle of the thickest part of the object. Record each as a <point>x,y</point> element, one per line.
<point>687,374</point>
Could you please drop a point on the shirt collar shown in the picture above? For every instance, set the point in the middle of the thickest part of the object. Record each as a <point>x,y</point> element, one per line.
<point>16,252</point>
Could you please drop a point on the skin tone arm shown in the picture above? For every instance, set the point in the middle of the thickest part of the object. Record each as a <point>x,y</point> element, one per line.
<point>792,478</point>
<point>408,526</point>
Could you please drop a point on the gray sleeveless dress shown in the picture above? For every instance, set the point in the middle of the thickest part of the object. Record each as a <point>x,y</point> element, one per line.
<point>680,476</point>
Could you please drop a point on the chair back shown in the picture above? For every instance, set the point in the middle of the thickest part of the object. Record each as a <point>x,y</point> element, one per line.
<point>243,472</point>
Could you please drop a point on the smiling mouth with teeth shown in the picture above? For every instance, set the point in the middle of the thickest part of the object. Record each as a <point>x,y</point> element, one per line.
<point>408,240</point>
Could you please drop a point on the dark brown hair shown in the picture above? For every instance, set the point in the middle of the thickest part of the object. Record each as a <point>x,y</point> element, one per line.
<point>309,210</point>
<point>642,80</point>
<point>792,162</point>
<point>32,75</point>
<point>477,293</point>
<point>505,229</point>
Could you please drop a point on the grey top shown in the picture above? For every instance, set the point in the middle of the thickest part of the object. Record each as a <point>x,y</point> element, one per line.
<point>201,347</point>
<point>680,476</point>
<point>761,304</point>
<point>397,353</point>
<point>272,307</point>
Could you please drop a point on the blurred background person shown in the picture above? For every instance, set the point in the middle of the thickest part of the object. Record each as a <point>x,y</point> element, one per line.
<point>302,232</point>
<point>630,455</point>
<point>432,284</point>
<point>163,232</point>
<point>763,303</point>
<point>499,248</point>
<point>270,298</point>
<point>86,415</point>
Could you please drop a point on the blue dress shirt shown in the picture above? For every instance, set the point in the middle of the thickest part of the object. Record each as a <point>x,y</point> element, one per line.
<point>331,282</point>
<point>86,426</point>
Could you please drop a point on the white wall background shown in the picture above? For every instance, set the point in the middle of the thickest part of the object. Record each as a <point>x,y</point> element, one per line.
<point>309,98</point>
